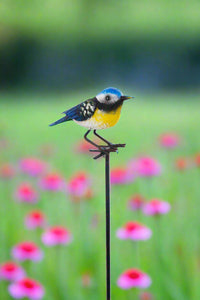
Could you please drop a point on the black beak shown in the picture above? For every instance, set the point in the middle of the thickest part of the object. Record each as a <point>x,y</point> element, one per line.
<point>126,97</point>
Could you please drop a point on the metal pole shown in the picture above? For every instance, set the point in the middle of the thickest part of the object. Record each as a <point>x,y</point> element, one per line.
<point>105,151</point>
<point>107,207</point>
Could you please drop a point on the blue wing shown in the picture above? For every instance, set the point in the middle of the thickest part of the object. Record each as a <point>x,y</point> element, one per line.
<point>80,112</point>
<point>74,113</point>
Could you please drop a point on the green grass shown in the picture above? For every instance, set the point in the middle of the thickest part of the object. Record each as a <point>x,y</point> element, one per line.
<point>170,257</point>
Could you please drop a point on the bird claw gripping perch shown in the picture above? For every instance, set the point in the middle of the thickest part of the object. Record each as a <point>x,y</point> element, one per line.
<point>102,149</point>
<point>105,150</point>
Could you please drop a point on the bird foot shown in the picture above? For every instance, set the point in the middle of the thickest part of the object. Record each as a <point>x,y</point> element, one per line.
<point>103,150</point>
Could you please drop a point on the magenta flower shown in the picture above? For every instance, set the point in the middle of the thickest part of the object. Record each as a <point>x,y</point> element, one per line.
<point>11,271</point>
<point>134,231</point>
<point>133,278</point>
<point>79,186</point>
<point>26,193</point>
<point>121,175</point>
<point>56,235</point>
<point>26,288</point>
<point>169,140</point>
<point>27,251</point>
<point>52,182</point>
<point>136,202</point>
<point>32,166</point>
<point>35,219</point>
<point>145,167</point>
<point>156,207</point>
<point>7,171</point>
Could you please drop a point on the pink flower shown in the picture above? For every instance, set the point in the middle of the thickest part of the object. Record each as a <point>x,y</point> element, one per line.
<point>26,193</point>
<point>7,171</point>
<point>84,147</point>
<point>197,160</point>
<point>35,219</point>
<point>146,296</point>
<point>182,163</point>
<point>52,182</point>
<point>11,271</point>
<point>27,251</point>
<point>156,207</point>
<point>79,186</point>
<point>133,278</point>
<point>134,231</point>
<point>32,166</point>
<point>56,235</point>
<point>169,140</point>
<point>136,202</point>
<point>121,175</point>
<point>145,167</point>
<point>26,288</point>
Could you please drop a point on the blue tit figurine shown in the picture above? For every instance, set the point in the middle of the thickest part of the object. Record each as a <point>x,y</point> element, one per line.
<point>100,112</point>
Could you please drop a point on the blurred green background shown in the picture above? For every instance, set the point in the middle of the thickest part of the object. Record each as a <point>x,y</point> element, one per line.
<point>55,53</point>
<point>62,45</point>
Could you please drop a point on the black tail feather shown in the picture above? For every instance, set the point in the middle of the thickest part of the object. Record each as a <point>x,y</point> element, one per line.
<point>64,119</point>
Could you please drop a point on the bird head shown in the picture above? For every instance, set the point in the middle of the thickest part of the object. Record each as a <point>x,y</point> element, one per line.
<point>111,96</point>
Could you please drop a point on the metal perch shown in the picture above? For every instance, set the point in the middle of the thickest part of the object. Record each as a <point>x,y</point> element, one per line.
<point>105,150</point>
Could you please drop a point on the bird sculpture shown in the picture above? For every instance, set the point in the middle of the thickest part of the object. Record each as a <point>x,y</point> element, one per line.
<point>100,112</point>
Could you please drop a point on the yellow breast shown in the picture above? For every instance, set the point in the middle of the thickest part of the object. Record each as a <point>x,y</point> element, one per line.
<point>101,119</point>
<point>106,119</point>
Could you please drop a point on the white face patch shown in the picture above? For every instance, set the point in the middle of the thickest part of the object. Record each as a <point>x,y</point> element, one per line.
<point>107,98</point>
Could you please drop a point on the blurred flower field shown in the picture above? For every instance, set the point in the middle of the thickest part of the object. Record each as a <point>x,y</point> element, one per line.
<point>52,202</point>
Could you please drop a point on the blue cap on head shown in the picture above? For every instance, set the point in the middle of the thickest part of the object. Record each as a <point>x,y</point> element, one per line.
<point>113,91</point>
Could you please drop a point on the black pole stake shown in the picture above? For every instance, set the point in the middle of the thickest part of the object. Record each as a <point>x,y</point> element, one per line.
<point>107,208</point>
<point>105,150</point>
